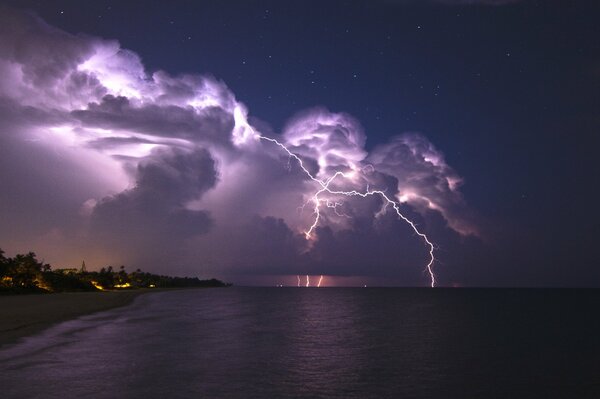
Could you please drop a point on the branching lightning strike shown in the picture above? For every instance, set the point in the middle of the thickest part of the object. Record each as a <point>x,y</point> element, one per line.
<point>325,188</point>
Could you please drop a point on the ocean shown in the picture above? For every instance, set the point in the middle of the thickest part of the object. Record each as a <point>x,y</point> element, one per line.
<point>319,343</point>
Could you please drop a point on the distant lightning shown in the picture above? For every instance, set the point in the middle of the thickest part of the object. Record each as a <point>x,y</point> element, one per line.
<point>325,188</point>
<point>119,75</point>
<point>334,206</point>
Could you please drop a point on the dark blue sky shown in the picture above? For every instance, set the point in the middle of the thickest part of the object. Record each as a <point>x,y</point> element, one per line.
<point>509,93</point>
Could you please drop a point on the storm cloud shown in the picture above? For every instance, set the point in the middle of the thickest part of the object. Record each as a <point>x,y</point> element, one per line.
<point>167,173</point>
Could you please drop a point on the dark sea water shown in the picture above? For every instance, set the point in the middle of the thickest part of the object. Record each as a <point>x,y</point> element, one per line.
<point>327,342</point>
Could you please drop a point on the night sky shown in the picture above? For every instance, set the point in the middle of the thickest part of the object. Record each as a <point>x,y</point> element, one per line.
<point>499,98</point>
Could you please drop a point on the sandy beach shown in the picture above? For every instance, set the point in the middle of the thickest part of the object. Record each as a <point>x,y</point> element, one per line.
<point>23,315</point>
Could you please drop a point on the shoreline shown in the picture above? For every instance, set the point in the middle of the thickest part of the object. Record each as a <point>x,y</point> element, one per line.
<point>25,315</point>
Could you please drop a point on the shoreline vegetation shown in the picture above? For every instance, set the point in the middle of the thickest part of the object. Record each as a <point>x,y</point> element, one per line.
<point>34,297</point>
<point>24,274</point>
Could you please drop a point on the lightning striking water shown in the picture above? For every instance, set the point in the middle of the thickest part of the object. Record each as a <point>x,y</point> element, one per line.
<point>117,142</point>
<point>307,281</point>
<point>326,188</point>
<point>320,281</point>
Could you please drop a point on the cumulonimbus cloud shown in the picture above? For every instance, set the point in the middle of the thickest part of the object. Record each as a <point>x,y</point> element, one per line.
<point>177,162</point>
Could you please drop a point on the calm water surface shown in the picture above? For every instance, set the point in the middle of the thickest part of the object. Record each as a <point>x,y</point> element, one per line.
<point>327,342</point>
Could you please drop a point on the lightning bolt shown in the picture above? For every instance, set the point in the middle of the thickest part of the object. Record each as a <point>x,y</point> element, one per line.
<point>325,188</point>
<point>307,281</point>
<point>298,280</point>
<point>334,206</point>
<point>320,281</point>
<point>246,131</point>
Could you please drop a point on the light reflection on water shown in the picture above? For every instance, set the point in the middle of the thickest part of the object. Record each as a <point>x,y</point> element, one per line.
<point>333,342</point>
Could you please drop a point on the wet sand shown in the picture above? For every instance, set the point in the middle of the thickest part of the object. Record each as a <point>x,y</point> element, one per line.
<point>24,315</point>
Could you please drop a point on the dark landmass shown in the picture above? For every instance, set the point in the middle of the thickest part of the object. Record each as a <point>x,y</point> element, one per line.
<point>24,274</point>
<point>24,315</point>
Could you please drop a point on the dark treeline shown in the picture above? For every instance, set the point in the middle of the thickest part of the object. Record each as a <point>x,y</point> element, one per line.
<point>25,274</point>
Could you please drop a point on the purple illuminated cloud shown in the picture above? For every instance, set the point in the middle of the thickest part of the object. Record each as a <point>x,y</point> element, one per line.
<point>147,168</point>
